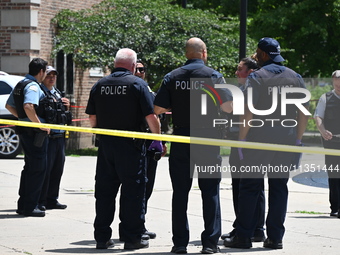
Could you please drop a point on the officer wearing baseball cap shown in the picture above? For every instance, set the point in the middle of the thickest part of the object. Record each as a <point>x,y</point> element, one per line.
<point>266,84</point>
<point>272,48</point>
<point>56,145</point>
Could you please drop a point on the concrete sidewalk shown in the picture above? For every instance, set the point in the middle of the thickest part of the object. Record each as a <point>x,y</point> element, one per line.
<point>70,231</point>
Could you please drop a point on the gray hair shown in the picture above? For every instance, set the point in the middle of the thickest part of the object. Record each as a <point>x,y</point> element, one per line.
<point>126,55</point>
<point>336,74</point>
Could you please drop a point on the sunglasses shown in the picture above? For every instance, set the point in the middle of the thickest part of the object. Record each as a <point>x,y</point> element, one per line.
<point>140,69</point>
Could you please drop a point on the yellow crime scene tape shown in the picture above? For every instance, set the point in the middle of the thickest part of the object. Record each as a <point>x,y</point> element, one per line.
<point>177,138</point>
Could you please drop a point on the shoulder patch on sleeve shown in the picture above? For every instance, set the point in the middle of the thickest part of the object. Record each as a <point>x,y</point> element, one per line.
<point>34,88</point>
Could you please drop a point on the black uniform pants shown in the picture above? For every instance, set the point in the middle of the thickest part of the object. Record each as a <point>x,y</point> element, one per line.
<point>235,162</point>
<point>255,165</point>
<point>55,168</point>
<point>33,173</point>
<point>151,166</point>
<point>251,187</point>
<point>183,158</point>
<point>120,164</point>
<point>333,171</point>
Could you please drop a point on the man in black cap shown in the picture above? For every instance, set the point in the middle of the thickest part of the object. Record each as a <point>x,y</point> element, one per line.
<point>266,85</point>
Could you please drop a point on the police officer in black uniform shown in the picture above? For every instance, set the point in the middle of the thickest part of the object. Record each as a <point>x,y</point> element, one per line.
<point>327,120</point>
<point>25,102</point>
<point>56,144</point>
<point>270,79</point>
<point>121,101</point>
<point>181,92</point>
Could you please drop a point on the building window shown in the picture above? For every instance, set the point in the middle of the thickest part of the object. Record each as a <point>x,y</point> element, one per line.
<point>65,68</point>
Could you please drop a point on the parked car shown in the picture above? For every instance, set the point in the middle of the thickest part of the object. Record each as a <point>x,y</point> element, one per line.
<point>9,141</point>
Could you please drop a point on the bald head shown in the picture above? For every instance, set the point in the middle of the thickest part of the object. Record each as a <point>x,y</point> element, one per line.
<point>126,58</point>
<point>196,48</point>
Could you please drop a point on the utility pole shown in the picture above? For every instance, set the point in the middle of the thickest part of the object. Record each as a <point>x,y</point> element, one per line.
<point>243,28</point>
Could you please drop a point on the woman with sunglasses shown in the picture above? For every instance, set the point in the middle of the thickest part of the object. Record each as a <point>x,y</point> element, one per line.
<point>151,161</point>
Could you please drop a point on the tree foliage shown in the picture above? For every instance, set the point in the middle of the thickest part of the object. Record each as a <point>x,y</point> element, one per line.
<point>307,30</point>
<point>156,30</point>
<point>225,7</point>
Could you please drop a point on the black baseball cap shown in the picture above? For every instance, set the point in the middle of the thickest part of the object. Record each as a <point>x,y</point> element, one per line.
<point>272,48</point>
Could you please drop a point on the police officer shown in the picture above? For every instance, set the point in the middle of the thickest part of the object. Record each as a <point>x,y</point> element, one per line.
<point>181,93</point>
<point>327,120</point>
<point>56,145</point>
<point>266,81</point>
<point>25,103</point>
<point>151,158</point>
<point>121,101</point>
<point>244,68</point>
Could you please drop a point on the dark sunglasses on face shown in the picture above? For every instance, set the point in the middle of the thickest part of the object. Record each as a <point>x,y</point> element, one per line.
<point>140,69</point>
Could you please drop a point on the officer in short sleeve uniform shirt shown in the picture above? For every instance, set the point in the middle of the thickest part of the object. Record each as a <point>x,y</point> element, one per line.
<point>327,120</point>
<point>120,101</point>
<point>176,94</point>
<point>33,173</point>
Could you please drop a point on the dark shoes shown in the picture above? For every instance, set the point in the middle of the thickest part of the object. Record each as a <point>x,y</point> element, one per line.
<point>138,245</point>
<point>272,244</point>
<point>258,236</point>
<point>20,212</point>
<point>57,205</point>
<point>238,242</point>
<point>228,235</point>
<point>105,245</point>
<point>179,250</point>
<point>208,250</point>
<point>41,207</point>
<point>35,213</point>
<point>39,211</point>
<point>143,237</point>
<point>152,235</point>
<point>334,214</point>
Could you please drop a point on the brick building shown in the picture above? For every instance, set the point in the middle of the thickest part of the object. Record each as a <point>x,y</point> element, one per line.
<point>26,32</point>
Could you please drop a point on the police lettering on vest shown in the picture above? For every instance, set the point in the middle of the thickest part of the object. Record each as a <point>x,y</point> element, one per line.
<point>113,90</point>
<point>189,85</point>
<point>122,96</point>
